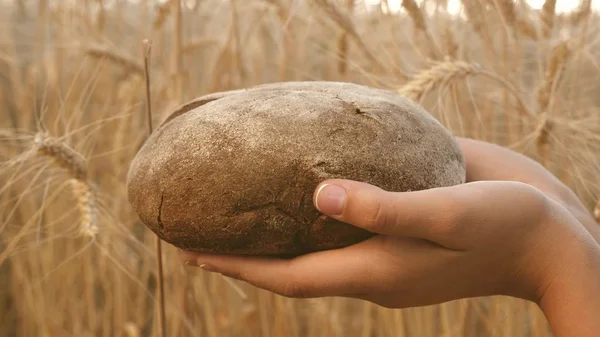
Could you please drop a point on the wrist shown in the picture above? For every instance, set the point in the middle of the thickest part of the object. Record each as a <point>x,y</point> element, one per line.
<point>571,302</point>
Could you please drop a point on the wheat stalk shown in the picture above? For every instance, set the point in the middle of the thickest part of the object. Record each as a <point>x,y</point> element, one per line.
<point>66,158</point>
<point>597,211</point>
<point>177,60</point>
<point>342,44</point>
<point>158,243</point>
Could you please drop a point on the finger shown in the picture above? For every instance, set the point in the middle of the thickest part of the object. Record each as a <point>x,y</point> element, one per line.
<point>447,216</point>
<point>330,273</point>
<point>485,161</point>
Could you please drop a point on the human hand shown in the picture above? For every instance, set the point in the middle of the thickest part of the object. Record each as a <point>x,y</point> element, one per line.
<point>512,229</point>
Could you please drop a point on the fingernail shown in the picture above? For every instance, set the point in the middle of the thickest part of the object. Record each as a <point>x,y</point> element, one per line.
<point>331,199</point>
<point>206,267</point>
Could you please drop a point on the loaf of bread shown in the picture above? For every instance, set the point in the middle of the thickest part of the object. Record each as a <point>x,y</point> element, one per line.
<point>235,172</point>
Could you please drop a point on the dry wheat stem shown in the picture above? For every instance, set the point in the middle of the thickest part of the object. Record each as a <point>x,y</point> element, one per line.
<point>177,60</point>
<point>162,326</point>
<point>342,44</point>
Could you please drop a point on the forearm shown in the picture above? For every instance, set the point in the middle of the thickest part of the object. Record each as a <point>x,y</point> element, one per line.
<point>572,303</point>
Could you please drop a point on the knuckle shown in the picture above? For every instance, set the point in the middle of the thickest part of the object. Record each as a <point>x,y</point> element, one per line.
<point>377,219</point>
<point>537,201</point>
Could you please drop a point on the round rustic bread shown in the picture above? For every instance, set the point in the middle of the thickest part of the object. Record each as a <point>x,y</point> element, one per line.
<point>234,172</point>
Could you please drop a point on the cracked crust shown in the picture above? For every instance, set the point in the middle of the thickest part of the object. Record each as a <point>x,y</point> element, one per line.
<point>234,172</point>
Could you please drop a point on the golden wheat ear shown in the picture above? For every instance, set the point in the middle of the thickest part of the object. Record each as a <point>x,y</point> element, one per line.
<point>74,165</point>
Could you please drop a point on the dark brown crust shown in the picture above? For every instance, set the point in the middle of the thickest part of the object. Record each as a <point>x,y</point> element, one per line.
<point>234,172</point>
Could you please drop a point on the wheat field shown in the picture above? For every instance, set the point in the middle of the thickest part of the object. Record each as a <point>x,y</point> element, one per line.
<point>75,260</point>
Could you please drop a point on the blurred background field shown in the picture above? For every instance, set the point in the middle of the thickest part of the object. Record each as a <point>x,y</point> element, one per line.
<point>75,261</point>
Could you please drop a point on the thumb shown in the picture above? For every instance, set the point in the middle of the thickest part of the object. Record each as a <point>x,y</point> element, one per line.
<point>370,207</point>
<point>437,214</point>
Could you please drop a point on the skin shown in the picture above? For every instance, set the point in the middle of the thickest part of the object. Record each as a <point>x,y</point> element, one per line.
<point>513,229</point>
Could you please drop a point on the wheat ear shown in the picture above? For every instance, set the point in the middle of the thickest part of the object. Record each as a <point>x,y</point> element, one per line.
<point>439,73</point>
<point>556,61</point>
<point>416,14</point>
<point>547,17</point>
<point>73,163</point>
<point>163,11</point>
<point>582,13</point>
<point>520,24</point>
